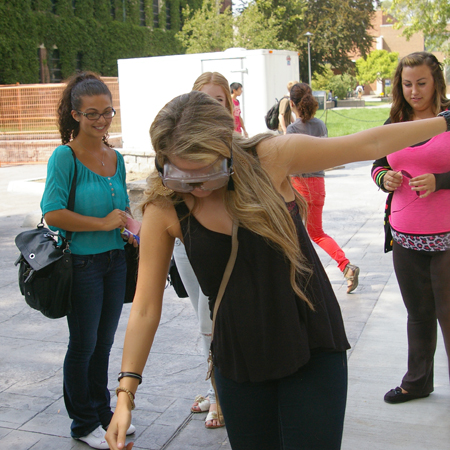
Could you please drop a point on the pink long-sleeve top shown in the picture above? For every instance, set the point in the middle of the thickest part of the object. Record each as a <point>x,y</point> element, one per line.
<point>409,213</point>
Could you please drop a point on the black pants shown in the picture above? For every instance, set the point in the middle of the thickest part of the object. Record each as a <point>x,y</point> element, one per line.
<point>424,280</point>
<point>304,411</point>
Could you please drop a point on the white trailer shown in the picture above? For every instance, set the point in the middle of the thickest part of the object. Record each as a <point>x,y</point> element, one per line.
<point>147,84</point>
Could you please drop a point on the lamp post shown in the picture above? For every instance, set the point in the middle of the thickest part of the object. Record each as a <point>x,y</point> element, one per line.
<point>308,35</point>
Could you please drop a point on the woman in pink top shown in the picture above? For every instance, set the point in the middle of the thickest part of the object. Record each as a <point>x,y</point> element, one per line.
<point>417,220</point>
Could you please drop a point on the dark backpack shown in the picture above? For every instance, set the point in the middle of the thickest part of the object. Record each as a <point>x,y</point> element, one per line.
<point>272,121</point>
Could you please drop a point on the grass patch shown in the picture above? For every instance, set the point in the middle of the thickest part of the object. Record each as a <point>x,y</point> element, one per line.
<point>376,103</point>
<point>349,121</point>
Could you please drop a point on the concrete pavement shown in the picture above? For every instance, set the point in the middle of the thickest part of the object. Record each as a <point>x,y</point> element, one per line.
<point>32,348</point>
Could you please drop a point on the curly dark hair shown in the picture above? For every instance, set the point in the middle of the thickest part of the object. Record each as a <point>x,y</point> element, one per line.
<point>78,85</point>
<point>401,110</point>
<point>306,104</point>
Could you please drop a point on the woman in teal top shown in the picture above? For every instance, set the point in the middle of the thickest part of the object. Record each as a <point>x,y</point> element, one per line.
<point>99,268</point>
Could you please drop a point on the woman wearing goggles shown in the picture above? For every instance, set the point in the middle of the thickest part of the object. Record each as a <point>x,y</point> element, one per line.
<point>279,344</point>
<point>213,177</point>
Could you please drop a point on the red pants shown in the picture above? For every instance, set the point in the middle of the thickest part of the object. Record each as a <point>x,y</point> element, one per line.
<point>313,191</point>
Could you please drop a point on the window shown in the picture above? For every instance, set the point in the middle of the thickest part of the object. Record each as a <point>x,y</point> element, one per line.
<point>55,66</point>
<point>167,14</point>
<point>79,62</point>
<point>142,13</point>
<point>155,13</point>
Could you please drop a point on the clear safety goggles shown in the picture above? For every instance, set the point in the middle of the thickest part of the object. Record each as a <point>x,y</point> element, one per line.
<point>209,178</point>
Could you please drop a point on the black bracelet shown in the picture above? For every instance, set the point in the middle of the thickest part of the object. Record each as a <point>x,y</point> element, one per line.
<point>131,375</point>
<point>446,116</point>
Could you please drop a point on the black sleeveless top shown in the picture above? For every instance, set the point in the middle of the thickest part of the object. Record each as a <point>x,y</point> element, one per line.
<point>263,330</point>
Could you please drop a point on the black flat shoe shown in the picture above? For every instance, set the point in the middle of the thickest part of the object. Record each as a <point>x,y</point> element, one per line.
<point>397,396</point>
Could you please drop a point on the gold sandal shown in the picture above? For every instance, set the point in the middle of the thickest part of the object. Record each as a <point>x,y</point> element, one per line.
<point>353,278</point>
<point>212,415</point>
<point>202,405</point>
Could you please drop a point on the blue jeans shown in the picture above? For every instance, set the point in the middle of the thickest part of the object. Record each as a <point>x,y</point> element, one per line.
<point>302,411</point>
<point>97,299</point>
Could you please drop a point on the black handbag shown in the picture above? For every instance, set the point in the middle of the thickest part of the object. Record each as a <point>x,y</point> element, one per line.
<point>132,258</point>
<point>45,266</point>
<point>174,279</point>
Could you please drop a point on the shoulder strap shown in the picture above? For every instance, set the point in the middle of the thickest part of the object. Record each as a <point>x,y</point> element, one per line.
<point>227,273</point>
<point>71,201</point>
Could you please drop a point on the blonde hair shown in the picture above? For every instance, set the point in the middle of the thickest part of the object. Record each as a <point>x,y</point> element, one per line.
<point>290,84</point>
<point>219,80</point>
<point>197,128</point>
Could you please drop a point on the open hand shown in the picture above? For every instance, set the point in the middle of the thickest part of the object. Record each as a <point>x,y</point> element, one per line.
<point>426,184</point>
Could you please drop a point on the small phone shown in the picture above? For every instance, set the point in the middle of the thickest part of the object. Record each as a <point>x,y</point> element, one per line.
<point>127,233</point>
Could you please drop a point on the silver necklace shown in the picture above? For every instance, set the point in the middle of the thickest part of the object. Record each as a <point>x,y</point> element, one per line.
<point>98,159</point>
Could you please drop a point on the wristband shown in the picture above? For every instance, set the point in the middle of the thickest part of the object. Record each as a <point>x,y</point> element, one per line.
<point>130,375</point>
<point>128,392</point>
<point>446,116</point>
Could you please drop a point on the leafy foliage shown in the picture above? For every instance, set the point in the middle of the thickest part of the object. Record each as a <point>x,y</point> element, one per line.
<point>259,31</point>
<point>18,53</point>
<point>341,85</point>
<point>206,30</point>
<point>338,26</point>
<point>321,81</point>
<point>379,65</point>
<point>429,17</point>
<point>94,34</point>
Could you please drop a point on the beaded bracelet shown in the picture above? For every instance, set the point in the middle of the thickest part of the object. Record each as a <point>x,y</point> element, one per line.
<point>446,116</point>
<point>131,375</point>
<point>129,393</point>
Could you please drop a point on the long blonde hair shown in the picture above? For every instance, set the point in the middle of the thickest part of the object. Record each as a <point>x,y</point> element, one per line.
<point>197,128</point>
<point>219,80</point>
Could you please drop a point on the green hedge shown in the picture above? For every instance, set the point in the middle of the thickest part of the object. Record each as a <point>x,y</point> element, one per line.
<point>89,30</point>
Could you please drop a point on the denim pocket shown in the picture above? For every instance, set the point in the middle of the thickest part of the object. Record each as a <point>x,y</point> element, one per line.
<point>81,262</point>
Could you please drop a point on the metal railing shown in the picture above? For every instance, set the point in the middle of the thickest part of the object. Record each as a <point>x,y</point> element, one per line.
<point>28,121</point>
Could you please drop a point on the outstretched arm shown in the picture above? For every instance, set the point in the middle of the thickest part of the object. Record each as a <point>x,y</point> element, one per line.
<point>297,153</point>
<point>155,252</point>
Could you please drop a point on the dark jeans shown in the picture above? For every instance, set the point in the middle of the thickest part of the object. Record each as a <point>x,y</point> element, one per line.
<point>304,411</point>
<point>97,299</point>
<point>424,280</point>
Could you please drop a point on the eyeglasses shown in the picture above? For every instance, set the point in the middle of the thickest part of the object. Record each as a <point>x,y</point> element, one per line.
<point>209,178</point>
<point>95,116</point>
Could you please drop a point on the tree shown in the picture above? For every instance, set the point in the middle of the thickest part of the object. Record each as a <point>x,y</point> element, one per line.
<point>282,24</point>
<point>429,17</point>
<point>321,81</point>
<point>206,29</point>
<point>341,85</point>
<point>18,43</point>
<point>339,27</point>
<point>379,65</point>
<point>254,30</point>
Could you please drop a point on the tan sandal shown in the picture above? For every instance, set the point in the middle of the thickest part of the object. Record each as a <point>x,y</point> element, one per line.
<point>353,278</point>
<point>202,405</point>
<point>212,415</point>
